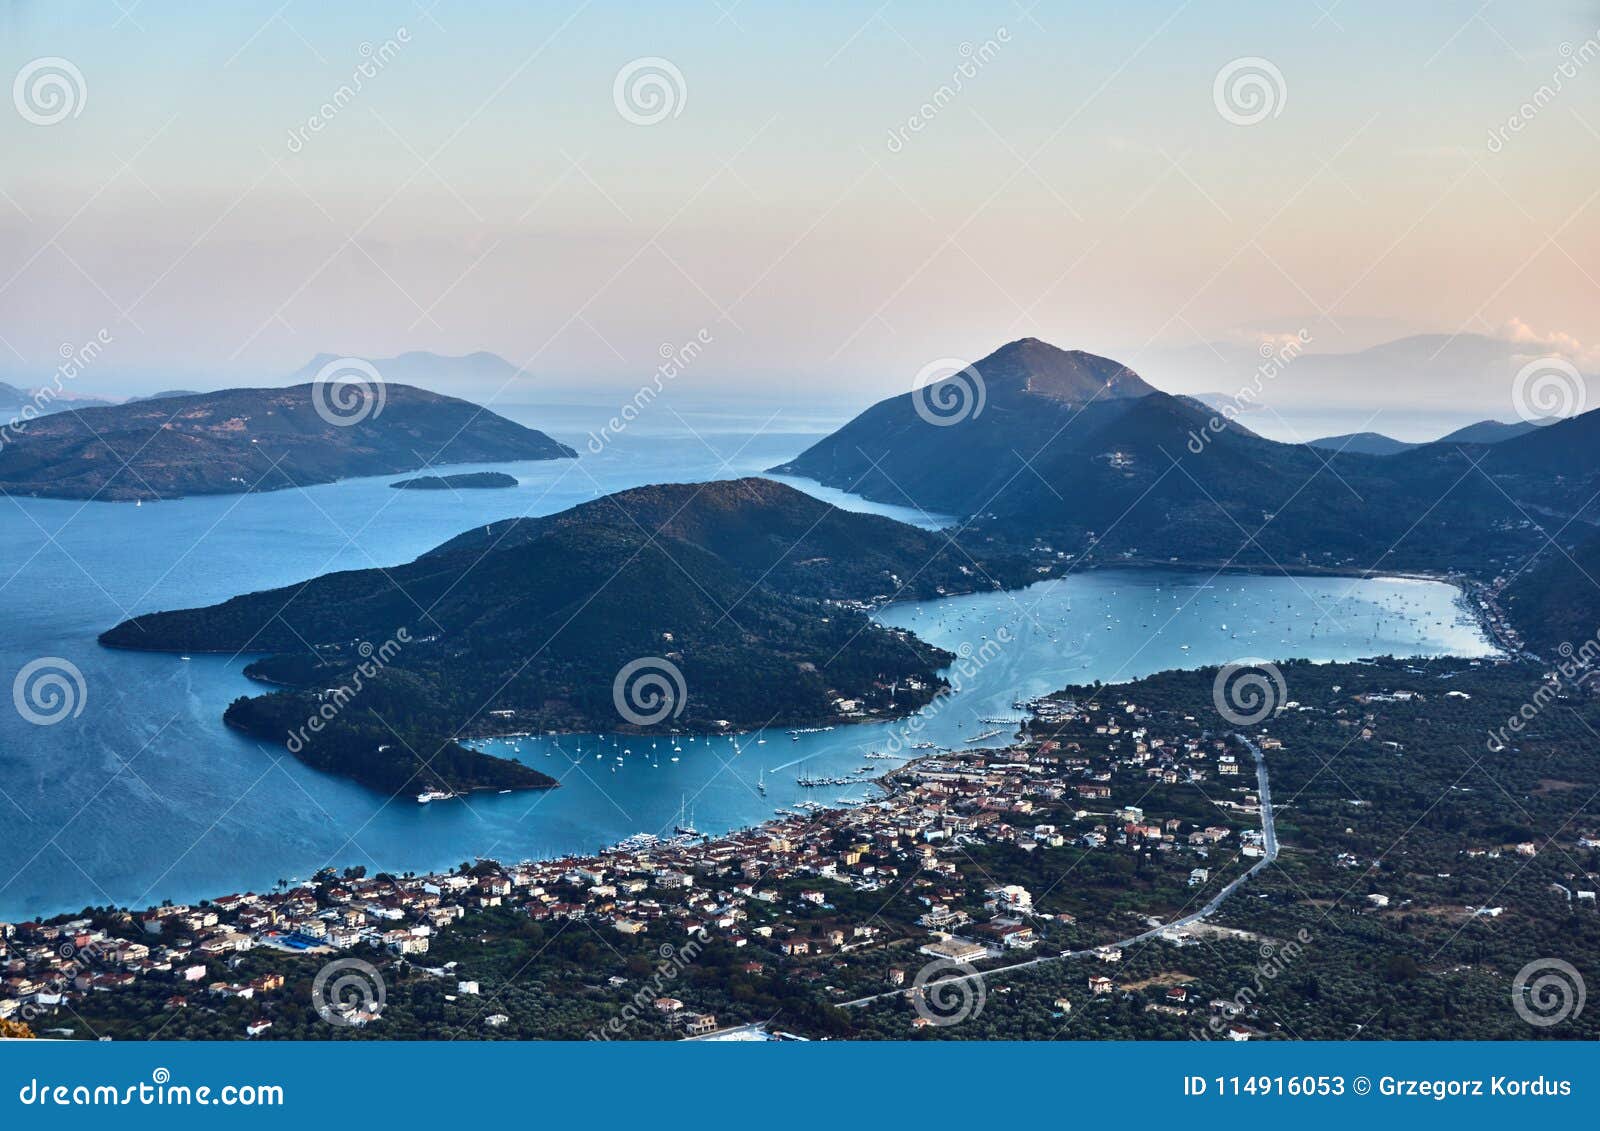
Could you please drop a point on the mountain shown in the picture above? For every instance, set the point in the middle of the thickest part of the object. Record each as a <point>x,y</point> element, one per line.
<point>163,395</point>
<point>1489,432</point>
<point>1363,443</point>
<point>1074,450</point>
<point>14,400</point>
<point>1440,373</point>
<point>1377,444</point>
<point>1555,602</point>
<point>747,596</point>
<point>246,440</point>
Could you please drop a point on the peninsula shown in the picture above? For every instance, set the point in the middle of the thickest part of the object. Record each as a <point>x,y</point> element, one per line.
<point>248,440</point>
<point>746,601</point>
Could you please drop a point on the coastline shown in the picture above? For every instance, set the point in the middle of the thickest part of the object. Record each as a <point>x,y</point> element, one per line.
<point>1458,583</point>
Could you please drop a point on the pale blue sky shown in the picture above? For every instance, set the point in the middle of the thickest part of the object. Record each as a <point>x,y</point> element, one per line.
<point>483,191</point>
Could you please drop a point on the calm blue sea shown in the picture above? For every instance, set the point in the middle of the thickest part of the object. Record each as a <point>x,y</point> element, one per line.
<point>146,796</point>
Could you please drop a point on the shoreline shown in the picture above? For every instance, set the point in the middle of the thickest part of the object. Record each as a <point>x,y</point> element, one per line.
<point>1459,583</point>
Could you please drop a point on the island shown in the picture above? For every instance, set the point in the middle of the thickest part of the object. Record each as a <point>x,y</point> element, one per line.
<point>248,440</point>
<point>467,481</point>
<point>701,608</point>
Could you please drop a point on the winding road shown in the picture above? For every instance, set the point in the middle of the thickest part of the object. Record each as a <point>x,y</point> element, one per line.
<point>1269,835</point>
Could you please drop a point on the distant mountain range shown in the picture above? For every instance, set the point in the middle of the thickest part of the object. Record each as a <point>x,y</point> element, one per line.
<point>1071,449</point>
<point>1439,373</point>
<point>246,440</point>
<point>480,375</point>
<point>1377,444</point>
<point>751,591</point>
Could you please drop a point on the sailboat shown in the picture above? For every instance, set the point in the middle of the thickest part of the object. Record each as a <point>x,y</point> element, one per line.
<point>685,827</point>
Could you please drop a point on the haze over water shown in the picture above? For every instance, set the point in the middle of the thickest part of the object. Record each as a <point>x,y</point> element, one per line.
<point>146,796</point>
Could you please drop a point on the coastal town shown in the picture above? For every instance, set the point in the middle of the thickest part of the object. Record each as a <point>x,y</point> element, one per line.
<point>1093,863</point>
<point>771,891</point>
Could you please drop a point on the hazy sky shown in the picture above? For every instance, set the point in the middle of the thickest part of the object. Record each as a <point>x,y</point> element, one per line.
<point>482,190</point>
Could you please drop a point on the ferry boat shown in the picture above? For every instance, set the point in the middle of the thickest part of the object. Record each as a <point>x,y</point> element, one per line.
<point>428,795</point>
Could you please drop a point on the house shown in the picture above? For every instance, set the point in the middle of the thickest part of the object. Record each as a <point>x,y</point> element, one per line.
<point>1101,985</point>
<point>953,949</point>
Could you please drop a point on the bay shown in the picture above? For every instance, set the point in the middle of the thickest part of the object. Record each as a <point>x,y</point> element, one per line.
<point>145,796</point>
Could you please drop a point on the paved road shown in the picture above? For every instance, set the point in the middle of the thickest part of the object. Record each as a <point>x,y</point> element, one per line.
<point>1269,830</point>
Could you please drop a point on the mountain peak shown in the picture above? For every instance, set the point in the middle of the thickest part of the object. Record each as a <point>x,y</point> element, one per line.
<point>1029,365</point>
